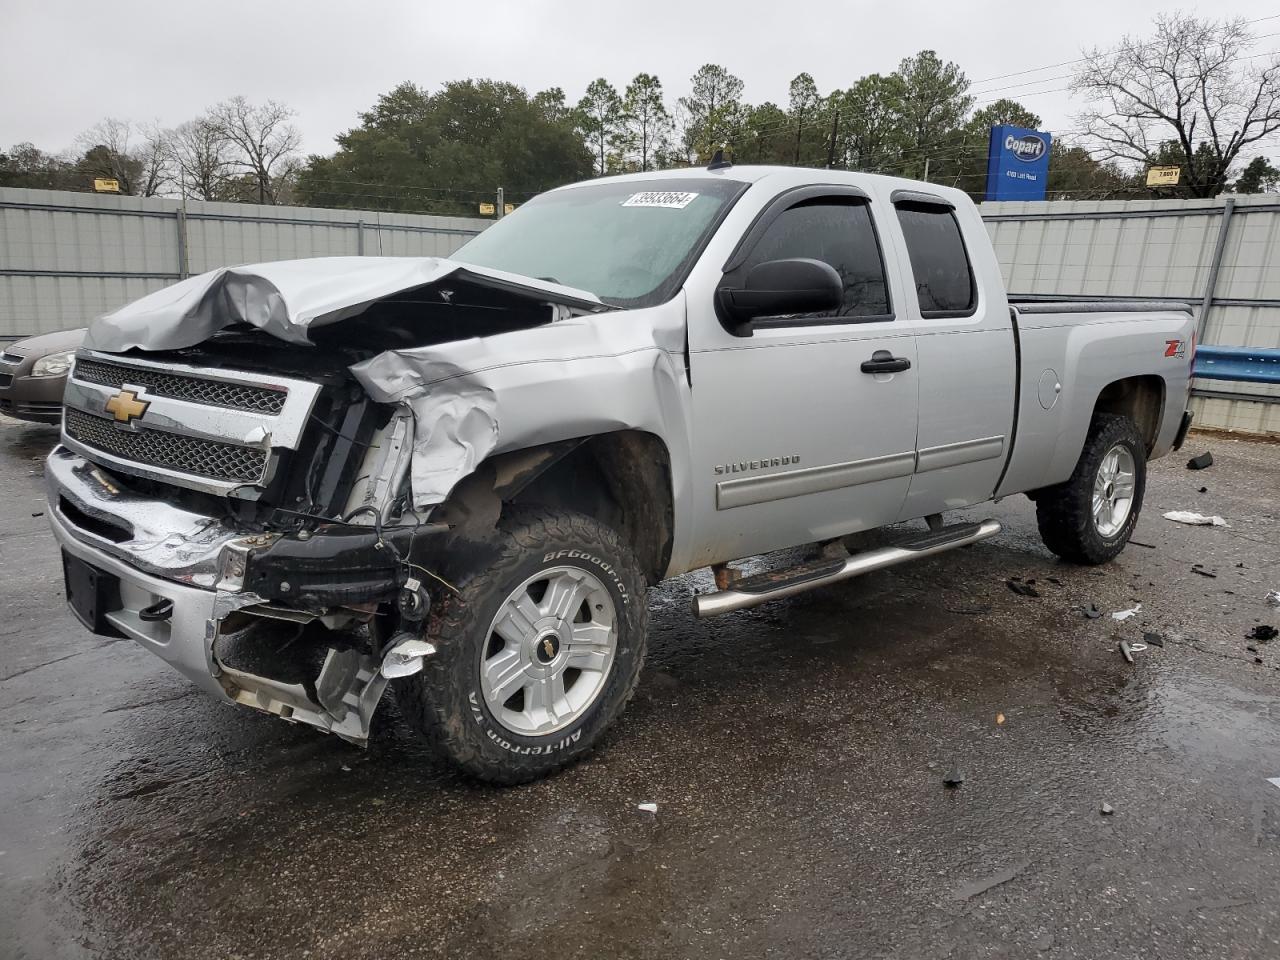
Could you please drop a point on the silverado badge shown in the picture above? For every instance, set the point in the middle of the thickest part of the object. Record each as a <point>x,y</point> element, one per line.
<point>126,407</point>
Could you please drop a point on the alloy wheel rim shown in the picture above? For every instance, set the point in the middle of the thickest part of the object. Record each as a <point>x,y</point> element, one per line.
<point>548,652</point>
<point>1113,490</point>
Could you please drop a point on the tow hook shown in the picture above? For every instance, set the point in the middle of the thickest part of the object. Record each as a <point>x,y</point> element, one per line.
<point>160,610</point>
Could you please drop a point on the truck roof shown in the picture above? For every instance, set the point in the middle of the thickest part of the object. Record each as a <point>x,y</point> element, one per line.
<point>785,177</point>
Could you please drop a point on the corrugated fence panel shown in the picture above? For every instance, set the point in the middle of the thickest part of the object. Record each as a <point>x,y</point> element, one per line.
<point>67,257</point>
<point>1161,249</point>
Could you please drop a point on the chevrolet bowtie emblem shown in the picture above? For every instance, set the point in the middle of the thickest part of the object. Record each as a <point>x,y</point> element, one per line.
<point>126,407</point>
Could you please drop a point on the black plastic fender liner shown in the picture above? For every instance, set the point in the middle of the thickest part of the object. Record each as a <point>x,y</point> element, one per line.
<point>336,564</point>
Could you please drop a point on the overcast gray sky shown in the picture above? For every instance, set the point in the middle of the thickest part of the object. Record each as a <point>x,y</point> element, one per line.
<point>65,65</point>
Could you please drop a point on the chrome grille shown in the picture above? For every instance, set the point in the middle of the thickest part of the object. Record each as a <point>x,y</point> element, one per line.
<point>214,393</point>
<point>211,459</point>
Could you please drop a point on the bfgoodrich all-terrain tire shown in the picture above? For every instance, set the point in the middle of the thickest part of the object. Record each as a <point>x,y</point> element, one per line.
<point>537,653</point>
<point>1089,518</point>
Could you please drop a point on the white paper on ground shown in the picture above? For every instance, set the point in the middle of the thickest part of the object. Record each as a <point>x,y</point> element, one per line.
<point>1126,614</point>
<point>1195,519</point>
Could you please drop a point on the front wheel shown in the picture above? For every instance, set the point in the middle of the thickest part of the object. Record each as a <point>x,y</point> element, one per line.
<point>1089,518</point>
<point>538,653</point>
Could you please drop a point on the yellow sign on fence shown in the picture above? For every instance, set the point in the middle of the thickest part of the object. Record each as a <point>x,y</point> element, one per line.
<point>105,185</point>
<point>486,209</point>
<point>1163,176</point>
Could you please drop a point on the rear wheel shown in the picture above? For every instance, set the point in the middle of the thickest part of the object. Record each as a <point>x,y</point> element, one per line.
<point>539,652</point>
<point>1089,518</point>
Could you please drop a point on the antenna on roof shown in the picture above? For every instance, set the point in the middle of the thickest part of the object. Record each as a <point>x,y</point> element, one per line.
<point>718,162</point>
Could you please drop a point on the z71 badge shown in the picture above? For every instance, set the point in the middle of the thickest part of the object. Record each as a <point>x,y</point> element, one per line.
<point>1175,348</point>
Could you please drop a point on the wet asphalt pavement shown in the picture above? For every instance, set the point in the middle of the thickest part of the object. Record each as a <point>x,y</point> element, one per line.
<point>797,755</point>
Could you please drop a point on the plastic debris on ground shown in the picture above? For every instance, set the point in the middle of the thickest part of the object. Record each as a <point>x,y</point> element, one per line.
<point>1275,781</point>
<point>1199,568</point>
<point>1273,598</point>
<point>1125,651</point>
<point>1092,611</point>
<point>1263,633</point>
<point>1023,588</point>
<point>1200,462</point>
<point>647,807</point>
<point>1153,639</point>
<point>954,779</point>
<point>1106,809</point>
<point>1126,614</point>
<point>1195,519</point>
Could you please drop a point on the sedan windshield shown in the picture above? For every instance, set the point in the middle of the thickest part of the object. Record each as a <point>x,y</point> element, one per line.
<point>631,242</point>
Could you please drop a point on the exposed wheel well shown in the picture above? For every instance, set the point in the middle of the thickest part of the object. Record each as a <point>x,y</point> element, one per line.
<point>622,479</point>
<point>1139,398</point>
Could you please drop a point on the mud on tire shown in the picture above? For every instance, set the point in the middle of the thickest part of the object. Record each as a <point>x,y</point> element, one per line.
<point>446,702</point>
<point>1065,513</point>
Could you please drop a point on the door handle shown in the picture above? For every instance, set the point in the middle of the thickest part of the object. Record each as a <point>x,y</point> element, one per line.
<point>882,361</point>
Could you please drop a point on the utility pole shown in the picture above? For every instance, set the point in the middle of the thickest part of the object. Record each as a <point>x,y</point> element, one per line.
<point>501,206</point>
<point>926,170</point>
<point>831,147</point>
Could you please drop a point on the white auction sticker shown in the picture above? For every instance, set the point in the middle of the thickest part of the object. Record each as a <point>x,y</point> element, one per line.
<point>660,198</point>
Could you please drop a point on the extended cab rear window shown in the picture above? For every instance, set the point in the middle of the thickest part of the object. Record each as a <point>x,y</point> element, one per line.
<point>939,262</point>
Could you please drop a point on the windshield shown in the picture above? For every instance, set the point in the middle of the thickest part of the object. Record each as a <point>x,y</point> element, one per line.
<point>631,243</point>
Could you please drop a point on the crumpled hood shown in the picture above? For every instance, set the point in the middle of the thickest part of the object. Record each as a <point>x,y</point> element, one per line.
<point>288,297</point>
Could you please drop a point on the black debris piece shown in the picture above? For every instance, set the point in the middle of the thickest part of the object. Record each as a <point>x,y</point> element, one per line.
<point>1092,611</point>
<point>38,513</point>
<point>1263,633</point>
<point>1251,648</point>
<point>1199,463</point>
<point>1022,588</point>
<point>1240,566</point>
<point>1257,659</point>
<point>1204,573</point>
<point>972,611</point>
<point>1153,639</point>
<point>1139,543</point>
<point>1204,489</point>
<point>953,779</point>
<point>1106,809</point>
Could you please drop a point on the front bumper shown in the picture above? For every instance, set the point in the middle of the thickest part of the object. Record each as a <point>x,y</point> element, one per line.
<point>38,399</point>
<point>158,552</point>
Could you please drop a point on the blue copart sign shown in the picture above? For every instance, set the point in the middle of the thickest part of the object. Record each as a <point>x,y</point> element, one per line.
<point>1017,163</point>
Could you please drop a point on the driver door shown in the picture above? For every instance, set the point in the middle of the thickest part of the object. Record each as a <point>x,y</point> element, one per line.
<point>792,441</point>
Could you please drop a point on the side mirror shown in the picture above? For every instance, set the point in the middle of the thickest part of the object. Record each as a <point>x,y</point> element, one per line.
<point>782,287</point>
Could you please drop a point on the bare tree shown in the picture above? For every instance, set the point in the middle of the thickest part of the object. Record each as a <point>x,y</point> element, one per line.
<point>201,153</point>
<point>265,144</point>
<point>107,152</point>
<point>1191,95</point>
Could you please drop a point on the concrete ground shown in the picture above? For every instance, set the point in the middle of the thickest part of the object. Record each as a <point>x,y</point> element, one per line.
<point>796,753</point>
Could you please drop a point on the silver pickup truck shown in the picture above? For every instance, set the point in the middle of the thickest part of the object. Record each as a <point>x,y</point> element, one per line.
<point>300,482</point>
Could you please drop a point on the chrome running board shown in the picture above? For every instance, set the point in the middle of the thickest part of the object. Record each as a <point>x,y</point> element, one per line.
<point>761,588</point>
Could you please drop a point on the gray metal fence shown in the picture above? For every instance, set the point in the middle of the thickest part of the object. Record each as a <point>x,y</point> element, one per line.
<point>67,257</point>
<point>1221,255</point>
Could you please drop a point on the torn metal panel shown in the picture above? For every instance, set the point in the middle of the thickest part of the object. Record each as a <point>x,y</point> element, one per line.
<point>288,297</point>
<point>574,378</point>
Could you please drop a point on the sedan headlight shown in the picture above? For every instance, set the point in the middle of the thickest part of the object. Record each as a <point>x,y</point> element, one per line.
<point>54,365</point>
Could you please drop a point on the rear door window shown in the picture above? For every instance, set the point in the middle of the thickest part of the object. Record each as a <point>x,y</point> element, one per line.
<point>939,262</point>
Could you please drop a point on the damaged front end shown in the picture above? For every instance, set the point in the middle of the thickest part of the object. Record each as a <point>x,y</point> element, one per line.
<point>228,494</point>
